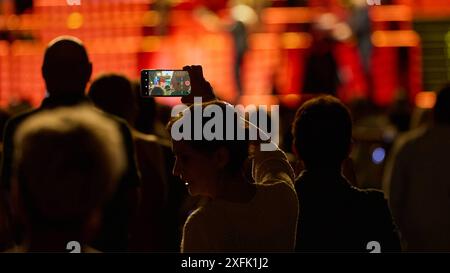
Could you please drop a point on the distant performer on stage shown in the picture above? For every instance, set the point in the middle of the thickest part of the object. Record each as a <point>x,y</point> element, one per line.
<point>244,16</point>
<point>361,27</point>
<point>321,69</point>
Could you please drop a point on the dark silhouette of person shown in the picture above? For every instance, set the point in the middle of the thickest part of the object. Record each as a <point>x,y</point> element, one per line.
<point>157,91</point>
<point>114,94</point>
<point>161,211</point>
<point>150,120</point>
<point>239,34</point>
<point>5,229</point>
<point>321,68</point>
<point>238,213</point>
<point>334,216</point>
<point>146,112</point>
<point>416,179</point>
<point>23,5</point>
<point>61,183</point>
<point>66,70</point>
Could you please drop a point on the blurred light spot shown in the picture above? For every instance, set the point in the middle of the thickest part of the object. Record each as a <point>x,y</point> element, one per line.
<point>399,13</point>
<point>373,2</point>
<point>152,18</point>
<point>151,43</point>
<point>73,2</point>
<point>378,155</point>
<point>292,40</point>
<point>279,15</point>
<point>342,32</point>
<point>326,22</point>
<point>395,38</point>
<point>244,13</point>
<point>263,41</point>
<point>425,100</point>
<point>290,100</point>
<point>75,20</point>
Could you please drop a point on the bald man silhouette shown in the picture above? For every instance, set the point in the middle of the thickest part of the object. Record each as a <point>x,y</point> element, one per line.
<point>67,70</point>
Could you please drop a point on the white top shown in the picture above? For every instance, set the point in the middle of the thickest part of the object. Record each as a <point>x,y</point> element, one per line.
<point>267,223</point>
<point>417,181</point>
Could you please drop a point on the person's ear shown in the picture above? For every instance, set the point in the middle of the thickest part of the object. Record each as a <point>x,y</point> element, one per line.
<point>221,157</point>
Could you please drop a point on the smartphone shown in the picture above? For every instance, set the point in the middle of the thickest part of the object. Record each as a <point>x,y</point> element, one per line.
<point>165,83</point>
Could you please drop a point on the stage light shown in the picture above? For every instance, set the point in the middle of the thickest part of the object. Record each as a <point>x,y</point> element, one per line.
<point>378,155</point>
<point>151,18</point>
<point>75,20</point>
<point>293,40</point>
<point>425,100</point>
<point>395,38</point>
<point>151,43</point>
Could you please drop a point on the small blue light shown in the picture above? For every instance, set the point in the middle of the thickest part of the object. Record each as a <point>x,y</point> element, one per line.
<point>378,155</point>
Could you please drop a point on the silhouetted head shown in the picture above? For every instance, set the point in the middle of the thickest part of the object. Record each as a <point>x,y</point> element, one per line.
<point>203,163</point>
<point>442,106</point>
<point>66,165</point>
<point>114,94</point>
<point>322,131</point>
<point>157,91</point>
<point>146,110</point>
<point>399,112</point>
<point>66,68</point>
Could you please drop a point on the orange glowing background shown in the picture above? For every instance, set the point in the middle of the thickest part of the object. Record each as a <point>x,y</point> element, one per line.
<point>122,36</point>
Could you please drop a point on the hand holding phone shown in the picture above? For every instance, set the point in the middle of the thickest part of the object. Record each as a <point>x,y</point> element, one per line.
<point>199,86</point>
<point>165,83</point>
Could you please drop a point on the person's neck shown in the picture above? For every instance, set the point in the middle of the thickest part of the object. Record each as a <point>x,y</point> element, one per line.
<point>52,240</point>
<point>237,189</point>
<point>53,100</point>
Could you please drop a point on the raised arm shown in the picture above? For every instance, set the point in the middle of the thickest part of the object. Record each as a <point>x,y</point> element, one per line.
<point>270,163</point>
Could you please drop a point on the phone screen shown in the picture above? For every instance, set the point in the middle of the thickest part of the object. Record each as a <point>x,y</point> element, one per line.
<point>165,83</point>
